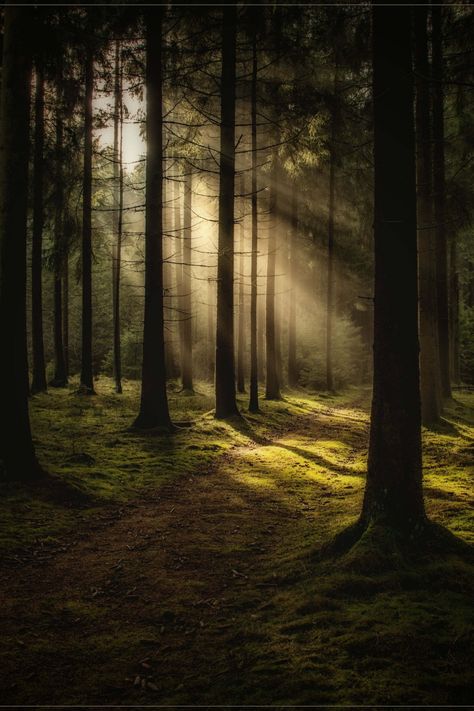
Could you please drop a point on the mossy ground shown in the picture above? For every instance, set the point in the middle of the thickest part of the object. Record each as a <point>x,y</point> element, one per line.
<point>185,570</point>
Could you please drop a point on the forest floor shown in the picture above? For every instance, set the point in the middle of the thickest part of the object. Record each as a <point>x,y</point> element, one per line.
<point>185,569</point>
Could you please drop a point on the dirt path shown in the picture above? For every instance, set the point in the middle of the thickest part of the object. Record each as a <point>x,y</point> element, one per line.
<point>160,597</point>
<point>204,592</point>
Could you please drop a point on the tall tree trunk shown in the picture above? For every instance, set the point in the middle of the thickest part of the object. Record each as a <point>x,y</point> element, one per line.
<point>39,370</point>
<point>154,402</point>
<point>330,260</point>
<point>168,286</point>
<point>272,387</point>
<point>393,492</point>
<point>17,452</point>
<point>439,192</point>
<point>226,405</point>
<point>454,312</point>
<point>87,382</point>
<point>240,328</point>
<point>253,402</point>
<point>210,329</point>
<point>60,376</point>
<point>429,355</point>
<point>66,314</point>
<point>292,364</point>
<point>187,363</point>
<point>118,189</point>
<point>178,241</point>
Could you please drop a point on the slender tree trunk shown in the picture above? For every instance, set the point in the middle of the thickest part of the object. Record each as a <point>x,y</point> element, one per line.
<point>168,286</point>
<point>154,402</point>
<point>210,329</point>
<point>261,344</point>
<point>17,452</point>
<point>393,491</point>
<point>66,314</point>
<point>178,241</point>
<point>330,262</point>
<point>226,405</point>
<point>60,377</point>
<point>187,363</point>
<point>253,403</point>
<point>292,364</point>
<point>454,312</point>
<point>87,382</point>
<point>439,190</point>
<point>241,330</point>
<point>118,189</point>
<point>272,389</point>
<point>39,370</point>
<point>429,360</point>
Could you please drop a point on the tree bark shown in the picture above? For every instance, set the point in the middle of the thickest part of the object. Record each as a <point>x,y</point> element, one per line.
<point>292,363</point>
<point>429,357</point>
<point>393,493</point>
<point>330,261</point>
<point>66,313</point>
<point>241,324</point>
<point>226,405</point>
<point>118,199</point>
<point>253,402</point>
<point>272,385</point>
<point>154,402</point>
<point>439,193</point>
<point>187,316</point>
<point>87,382</point>
<point>60,377</point>
<point>39,370</point>
<point>16,446</point>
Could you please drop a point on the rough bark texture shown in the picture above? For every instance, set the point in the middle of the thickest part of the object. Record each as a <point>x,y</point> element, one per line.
<point>118,199</point>
<point>17,454</point>
<point>186,301</point>
<point>226,405</point>
<point>253,402</point>
<point>439,194</point>
<point>429,357</point>
<point>393,491</point>
<point>87,382</point>
<point>154,402</point>
<point>292,364</point>
<point>38,383</point>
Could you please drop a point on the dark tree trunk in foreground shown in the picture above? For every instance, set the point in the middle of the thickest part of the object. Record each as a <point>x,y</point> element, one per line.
<point>439,194</point>
<point>429,356</point>
<point>17,452</point>
<point>292,365</point>
<point>187,362</point>
<point>272,382</point>
<point>226,405</point>
<point>60,376</point>
<point>38,383</point>
<point>87,382</point>
<point>393,491</point>
<point>253,402</point>
<point>118,188</point>
<point>154,402</point>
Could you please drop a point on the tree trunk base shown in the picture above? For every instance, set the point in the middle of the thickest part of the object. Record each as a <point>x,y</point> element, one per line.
<point>58,382</point>
<point>377,545</point>
<point>85,390</point>
<point>153,427</point>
